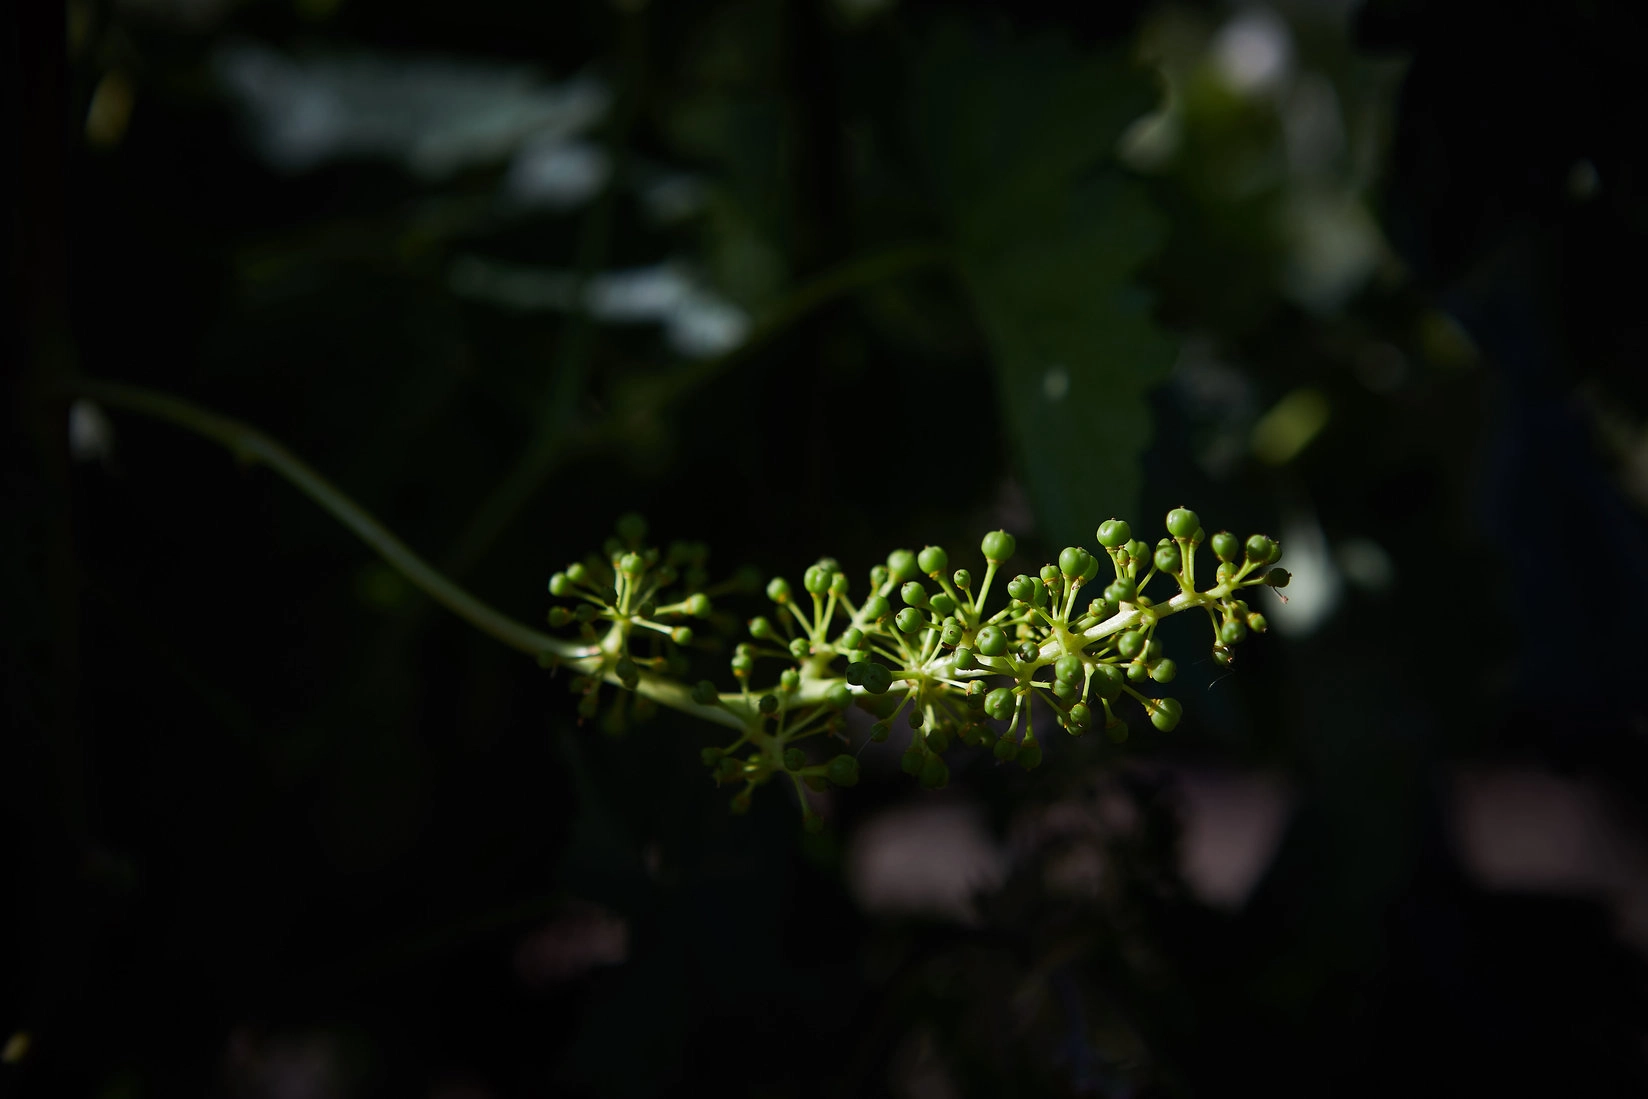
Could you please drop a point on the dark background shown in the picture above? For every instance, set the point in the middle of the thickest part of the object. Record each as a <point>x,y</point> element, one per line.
<point>1366,278</point>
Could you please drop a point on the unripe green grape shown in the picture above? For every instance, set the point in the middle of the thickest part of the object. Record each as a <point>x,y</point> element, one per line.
<point>1022,588</point>
<point>1131,643</point>
<point>1029,756</point>
<point>1153,651</point>
<point>761,629</point>
<point>997,546</point>
<point>742,664</point>
<point>1138,552</point>
<point>800,648</point>
<point>1225,573</point>
<point>1182,523</point>
<point>1137,673</point>
<point>876,678</point>
<point>1068,668</point>
<point>816,579</point>
<point>1232,632</point>
<point>1027,651</point>
<point>1122,590</point>
<point>851,638</point>
<point>778,590</point>
<point>901,566</point>
<point>935,774</point>
<point>1101,608</point>
<point>1006,748</point>
<point>681,635</point>
<point>789,680</point>
<point>951,634</point>
<point>909,620</point>
<point>915,717</point>
<point>1167,558</point>
<point>1108,681</point>
<point>1225,546</point>
<point>1065,691</point>
<point>559,585</point>
<point>560,616</point>
<point>794,759</point>
<point>1114,533</point>
<point>913,594</point>
<point>837,697</point>
<point>1164,670</point>
<point>768,704</point>
<point>704,693</point>
<point>1049,575</point>
<point>878,575</point>
<point>941,603</point>
<point>991,641</point>
<point>843,771</point>
<point>838,584</point>
<point>963,660</point>
<point>631,527</point>
<point>1165,714</point>
<point>698,605</point>
<point>1073,561</point>
<point>876,608</point>
<point>578,573</point>
<point>880,731</point>
<point>855,671</point>
<point>1261,550</point>
<point>938,740</point>
<point>631,565</point>
<point>1278,578</point>
<point>999,703</point>
<point>1079,718</point>
<point>933,560</point>
<point>628,674</point>
<point>1223,657</point>
<point>1257,623</point>
<point>647,609</point>
<point>962,579</point>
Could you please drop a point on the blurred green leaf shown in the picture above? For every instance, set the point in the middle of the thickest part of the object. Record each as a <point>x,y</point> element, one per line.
<point>1020,140</point>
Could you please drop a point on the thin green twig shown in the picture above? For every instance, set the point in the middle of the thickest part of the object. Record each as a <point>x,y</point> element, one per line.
<point>251,445</point>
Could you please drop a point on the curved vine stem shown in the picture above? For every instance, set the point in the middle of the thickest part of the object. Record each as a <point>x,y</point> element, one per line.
<point>251,445</point>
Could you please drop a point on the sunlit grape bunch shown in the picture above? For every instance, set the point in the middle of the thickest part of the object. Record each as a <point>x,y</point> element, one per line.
<point>921,646</point>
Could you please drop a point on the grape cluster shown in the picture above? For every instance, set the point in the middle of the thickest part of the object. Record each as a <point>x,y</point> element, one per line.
<point>920,647</point>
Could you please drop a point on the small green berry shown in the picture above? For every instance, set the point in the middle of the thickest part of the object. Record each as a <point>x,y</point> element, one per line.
<point>1261,550</point>
<point>962,579</point>
<point>762,629</point>
<point>1027,651</point>
<point>632,565</point>
<point>938,740</point>
<point>1278,578</point>
<point>843,771</point>
<point>876,678</point>
<point>1232,632</point>
<point>991,641</point>
<point>909,620</point>
<point>577,573</point>
<point>1123,590</point>
<point>1257,623</point>
<point>559,585</point>
<point>1022,588</point>
<point>794,759</point>
<point>933,560</point>
<point>901,566</point>
<point>838,697</point>
<point>997,546</point>
<point>768,704</point>
<point>560,616</point>
<point>778,590</point>
<point>963,660</point>
<point>1131,643</point>
<point>628,674</point>
<point>913,594</point>
<point>1225,546</point>
<point>1182,523</point>
<point>816,579</point>
<point>838,584</point>
<point>1068,668</point>
<point>800,648</point>
<point>912,759</point>
<point>698,605</point>
<point>789,680</point>
<point>1165,714</point>
<point>941,603</point>
<point>1108,680</point>
<point>1164,670</point>
<point>880,731</point>
<point>1006,748</point>
<point>935,775</point>
<point>1049,575</point>
<point>876,608</point>
<point>1137,673</point>
<point>1029,756</point>
<point>851,638</point>
<point>951,633</point>
<point>1114,533</point>
<point>1073,561</point>
<point>681,635</point>
<point>999,703</point>
<point>704,693</point>
<point>1226,572</point>
<point>1079,719</point>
